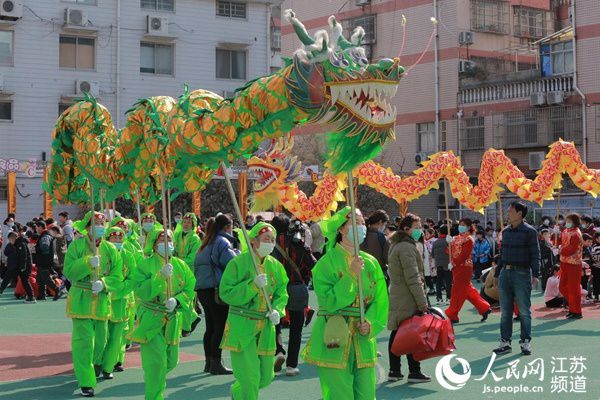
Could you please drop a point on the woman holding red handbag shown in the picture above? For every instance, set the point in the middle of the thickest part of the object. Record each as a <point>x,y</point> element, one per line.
<point>407,290</point>
<point>461,251</point>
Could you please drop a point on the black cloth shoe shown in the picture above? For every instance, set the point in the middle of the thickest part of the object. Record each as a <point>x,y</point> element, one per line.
<point>107,375</point>
<point>59,294</point>
<point>87,392</point>
<point>186,333</point>
<point>98,370</point>
<point>485,315</point>
<point>217,368</point>
<point>418,377</point>
<point>575,316</point>
<point>118,367</point>
<point>195,324</point>
<point>395,376</point>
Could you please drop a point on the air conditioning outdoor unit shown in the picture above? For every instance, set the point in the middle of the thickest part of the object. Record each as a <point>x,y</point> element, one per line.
<point>535,160</point>
<point>421,156</point>
<point>465,38</point>
<point>361,3</point>
<point>157,25</point>
<point>11,9</point>
<point>228,94</point>
<point>76,17</point>
<point>538,99</point>
<point>556,97</point>
<point>465,65</point>
<point>92,87</point>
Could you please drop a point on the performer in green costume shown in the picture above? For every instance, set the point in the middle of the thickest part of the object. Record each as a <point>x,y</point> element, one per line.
<point>343,348</point>
<point>131,239</point>
<point>187,244</point>
<point>88,304</point>
<point>122,307</point>
<point>250,329</point>
<point>148,225</point>
<point>158,328</point>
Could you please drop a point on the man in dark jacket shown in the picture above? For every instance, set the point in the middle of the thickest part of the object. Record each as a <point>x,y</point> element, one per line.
<point>45,262</point>
<point>376,243</point>
<point>442,259</point>
<point>18,261</point>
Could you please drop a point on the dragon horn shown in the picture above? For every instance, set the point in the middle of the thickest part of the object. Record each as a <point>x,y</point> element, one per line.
<point>299,28</point>
<point>357,36</point>
<point>337,36</point>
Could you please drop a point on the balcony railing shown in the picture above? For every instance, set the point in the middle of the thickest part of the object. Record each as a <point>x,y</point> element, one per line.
<point>515,90</point>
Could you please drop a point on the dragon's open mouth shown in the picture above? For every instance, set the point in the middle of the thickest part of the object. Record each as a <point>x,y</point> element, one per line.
<point>368,100</point>
<point>264,177</point>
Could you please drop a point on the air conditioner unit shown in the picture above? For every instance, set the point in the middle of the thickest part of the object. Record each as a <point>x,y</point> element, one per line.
<point>10,9</point>
<point>535,160</point>
<point>537,99</point>
<point>420,157</point>
<point>228,94</point>
<point>361,3</point>
<point>76,17</point>
<point>157,25</point>
<point>556,97</point>
<point>465,38</point>
<point>92,87</point>
<point>465,65</point>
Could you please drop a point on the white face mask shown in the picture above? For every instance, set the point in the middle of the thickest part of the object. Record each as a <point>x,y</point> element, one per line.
<point>147,226</point>
<point>264,249</point>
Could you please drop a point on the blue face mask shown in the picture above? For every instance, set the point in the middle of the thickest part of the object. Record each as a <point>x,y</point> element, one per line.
<point>160,249</point>
<point>98,231</point>
<point>362,234</point>
<point>119,246</point>
<point>147,226</point>
<point>462,229</point>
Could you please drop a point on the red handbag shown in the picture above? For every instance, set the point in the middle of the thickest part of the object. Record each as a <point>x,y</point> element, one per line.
<point>419,333</point>
<point>445,344</point>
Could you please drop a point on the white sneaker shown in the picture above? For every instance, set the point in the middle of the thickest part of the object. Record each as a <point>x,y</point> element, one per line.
<point>291,371</point>
<point>525,347</point>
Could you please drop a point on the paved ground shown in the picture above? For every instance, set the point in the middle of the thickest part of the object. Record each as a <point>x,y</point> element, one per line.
<point>35,362</point>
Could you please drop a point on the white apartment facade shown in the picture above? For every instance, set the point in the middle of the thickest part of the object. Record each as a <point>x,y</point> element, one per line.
<point>121,51</point>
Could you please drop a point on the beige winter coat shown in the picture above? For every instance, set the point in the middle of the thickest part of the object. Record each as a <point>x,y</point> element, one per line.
<point>406,279</point>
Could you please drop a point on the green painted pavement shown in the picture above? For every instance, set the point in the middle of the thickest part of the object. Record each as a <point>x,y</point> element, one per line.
<point>551,338</point>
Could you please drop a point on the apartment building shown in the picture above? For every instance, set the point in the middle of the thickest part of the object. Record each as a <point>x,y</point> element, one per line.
<point>510,74</point>
<point>120,51</point>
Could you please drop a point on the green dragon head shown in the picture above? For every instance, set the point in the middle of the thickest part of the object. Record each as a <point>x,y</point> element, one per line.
<point>332,81</point>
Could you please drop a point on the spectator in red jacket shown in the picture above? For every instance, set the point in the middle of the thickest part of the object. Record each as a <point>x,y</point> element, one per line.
<point>571,253</point>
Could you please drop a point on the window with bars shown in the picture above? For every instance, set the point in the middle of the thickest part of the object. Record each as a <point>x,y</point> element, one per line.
<point>426,137</point>
<point>77,52</point>
<point>3,189</point>
<point>368,23</point>
<point>6,47</point>
<point>490,16</point>
<point>275,38</point>
<point>566,123</point>
<point>156,58</point>
<point>443,139</point>
<point>6,113</point>
<point>88,2</point>
<point>231,64</point>
<point>521,128</point>
<point>530,22</point>
<point>231,9</point>
<point>472,135</point>
<point>158,5</point>
<point>556,58</point>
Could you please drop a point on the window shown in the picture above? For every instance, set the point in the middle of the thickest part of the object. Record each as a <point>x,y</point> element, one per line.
<point>530,22</point>
<point>89,2</point>
<point>231,64</point>
<point>158,5</point>
<point>557,58</point>
<point>62,107</point>
<point>6,47</point>
<point>472,133</point>
<point>156,58</point>
<point>276,38</point>
<point>3,189</point>
<point>77,52</point>
<point>426,137</point>
<point>275,69</point>
<point>5,111</point>
<point>566,123</point>
<point>231,9</point>
<point>489,16</point>
<point>521,128</point>
<point>443,139</point>
<point>368,22</point>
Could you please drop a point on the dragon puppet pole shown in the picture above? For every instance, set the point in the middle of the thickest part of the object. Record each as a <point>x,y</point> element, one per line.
<point>501,211</point>
<point>556,237</point>
<point>137,207</point>
<point>448,222</point>
<point>169,207</point>
<point>92,223</point>
<point>238,214</point>
<point>165,227</point>
<point>355,240</point>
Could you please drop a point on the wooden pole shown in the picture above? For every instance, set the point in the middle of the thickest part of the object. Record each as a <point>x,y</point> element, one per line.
<point>169,207</point>
<point>556,237</point>
<point>356,244</point>
<point>501,211</point>
<point>165,232</point>
<point>243,190</point>
<point>93,247</point>
<point>448,221</point>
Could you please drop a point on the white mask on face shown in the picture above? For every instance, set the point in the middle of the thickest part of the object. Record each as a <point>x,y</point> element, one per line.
<point>264,249</point>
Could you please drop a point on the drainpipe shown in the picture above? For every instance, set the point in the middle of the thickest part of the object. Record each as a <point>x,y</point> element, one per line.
<point>576,86</point>
<point>269,27</point>
<point>118,77</point>
<point>437,76</point>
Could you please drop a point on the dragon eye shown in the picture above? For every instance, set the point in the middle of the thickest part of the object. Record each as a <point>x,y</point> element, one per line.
<point>358,56</point>
<point>338,60</point>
